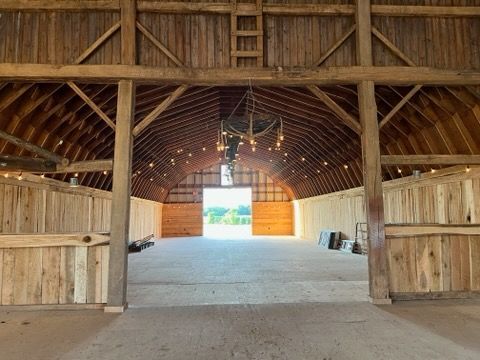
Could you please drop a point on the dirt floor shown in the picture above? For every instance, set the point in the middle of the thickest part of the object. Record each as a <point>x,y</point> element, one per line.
<point>260,298</point>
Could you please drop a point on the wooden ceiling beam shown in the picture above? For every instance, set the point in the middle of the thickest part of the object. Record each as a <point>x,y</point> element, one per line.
<point>226,8</point>
<point>400,104</point>
<point>159,110</point>
<point>90,103</point>
<point>349,120</point>
<point>25,164</point>
<point>389,75</point>
<point>33,148</point>
<point>430,159</point>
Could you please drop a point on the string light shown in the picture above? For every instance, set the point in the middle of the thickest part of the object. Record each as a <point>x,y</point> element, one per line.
<point>467,169</point>
<point>105,172</point>
<point>151,164</point>
<point>303,159</point>
<point>6,175</point>
<point>399,170</point>
<point>20,177</point>
<point>204,148</point>
<point>42,176</point>
<point>345,166</point>
<point>325,163</point>
<point>433,171</point>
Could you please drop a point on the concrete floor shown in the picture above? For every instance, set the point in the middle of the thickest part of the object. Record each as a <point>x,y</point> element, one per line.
<point>270,298</point>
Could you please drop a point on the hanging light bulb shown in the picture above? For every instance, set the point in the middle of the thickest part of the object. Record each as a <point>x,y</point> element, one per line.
<point>253,148</point>
<point>467,169</point>
<point>6,175</point>
<point>20,177</point>
<point>280,134</point>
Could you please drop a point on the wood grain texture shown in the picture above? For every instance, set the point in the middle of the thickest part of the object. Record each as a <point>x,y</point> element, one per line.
<point>182,220</point>
<point>53,275</point>
<point>272,218</point>
<point>429,263</point>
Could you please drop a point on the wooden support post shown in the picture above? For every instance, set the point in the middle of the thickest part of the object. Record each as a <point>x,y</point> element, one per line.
<point>122,168</point>
<point>128,31</point>
<point>372,170</point>
<point>120,222</point>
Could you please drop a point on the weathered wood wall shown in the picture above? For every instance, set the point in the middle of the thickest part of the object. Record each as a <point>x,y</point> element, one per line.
<point>438,265</point>
<point>425,264</point>
<point>203,40</point>
<point>54,275</point>
<point>270,218</point>
<point>182,220</point>
<point>61,274</point>
<point>43,205</point>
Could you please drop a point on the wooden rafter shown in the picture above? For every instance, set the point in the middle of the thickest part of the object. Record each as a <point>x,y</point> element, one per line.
<point>90,103</point>
<point>33,148</point>
<point>349,120</point>
<point>25,164</point>
<point>159,109</point>
<point>400,104</point>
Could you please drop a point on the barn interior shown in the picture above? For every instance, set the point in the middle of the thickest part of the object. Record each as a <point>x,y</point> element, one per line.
<point>354,127</point>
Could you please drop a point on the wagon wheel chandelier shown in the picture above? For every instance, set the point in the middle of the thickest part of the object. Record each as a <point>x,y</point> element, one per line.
<point>254,123</point>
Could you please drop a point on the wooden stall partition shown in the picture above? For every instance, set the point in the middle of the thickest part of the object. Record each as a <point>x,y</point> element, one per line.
<point>60,271</point>
<point>41,205</point>
<point>272,218</point>
<point>182,220</point>
<point>433,261</point>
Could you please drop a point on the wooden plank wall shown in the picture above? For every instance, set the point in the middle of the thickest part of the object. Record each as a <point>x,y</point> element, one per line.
<point>54,275</point>
<point>182,220</point>
<point>41,205</point>
<point>434,264</point>
<point>427,264</point>
<point>270,218</point>
<point>203,40</point>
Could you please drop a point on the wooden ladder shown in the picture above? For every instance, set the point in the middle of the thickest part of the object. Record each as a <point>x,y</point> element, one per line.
<point>244,10</point>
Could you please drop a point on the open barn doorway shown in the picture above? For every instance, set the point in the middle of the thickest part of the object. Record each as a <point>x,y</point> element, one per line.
<point>227,212</point>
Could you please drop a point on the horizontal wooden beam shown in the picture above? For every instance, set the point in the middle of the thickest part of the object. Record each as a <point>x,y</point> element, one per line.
<point>27,164</point>
<point>63,5</point>
<point>382,75</point>
<point>37,165</point>
<point>86,166</point>
<point>35,240</point>
<point>33,148</point>
<point>412,230</point>
<point>430,159</point>
<point>180,7</point>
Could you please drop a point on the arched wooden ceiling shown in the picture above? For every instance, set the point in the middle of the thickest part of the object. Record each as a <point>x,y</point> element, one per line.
<point>323,154</point>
